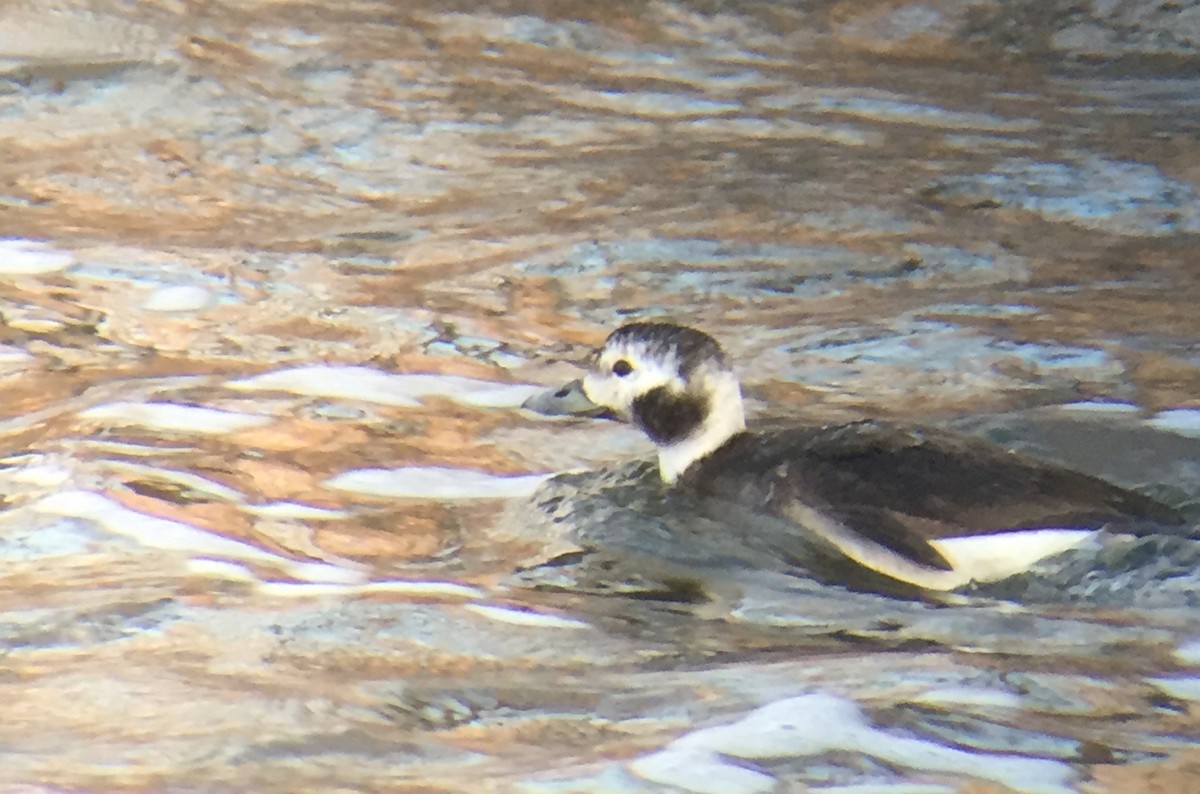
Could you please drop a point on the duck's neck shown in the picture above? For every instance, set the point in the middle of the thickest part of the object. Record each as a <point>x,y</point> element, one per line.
<point>686,426</point>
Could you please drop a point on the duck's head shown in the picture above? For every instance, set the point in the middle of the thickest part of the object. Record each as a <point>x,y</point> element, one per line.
<point>672,382</point>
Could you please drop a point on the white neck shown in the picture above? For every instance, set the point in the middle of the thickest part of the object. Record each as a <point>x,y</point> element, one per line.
<point>726,418</point>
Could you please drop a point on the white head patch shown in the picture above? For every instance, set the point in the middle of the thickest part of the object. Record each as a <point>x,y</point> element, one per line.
<point>644,357</point>
<point>647,370</point>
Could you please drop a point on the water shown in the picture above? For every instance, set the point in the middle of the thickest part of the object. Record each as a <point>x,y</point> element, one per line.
<point>274,279</point>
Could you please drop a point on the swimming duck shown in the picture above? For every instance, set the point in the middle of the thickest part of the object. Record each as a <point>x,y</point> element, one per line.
<point>924,507</point>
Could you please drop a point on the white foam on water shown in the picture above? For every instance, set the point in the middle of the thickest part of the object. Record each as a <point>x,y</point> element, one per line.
<point>1183,421</point>
<point>701,773</point>
<point>885,788</point>
<point>1100,407</point>
<point>323,572</point>
<point>35,325</point>
<point>435,482</point>
<point>295,510</point>
<point>180,298</point>
<point>220,569</point>
<point>305,589</point>
<point>430,589</point>
<point>163,533</point>
<point>524,617</point>
<point>970,696</point>
<point>1182,687</point>
<point>20,257</point>
<point>1189,652</point>
<point>10,354</point>
<point>174,417</point>
<point>231,571</point>
<point>46,475</point>
<point>188,480</point>
<point>371,385</point>
<point>822,723</point>
<point>422,588</point>
<point>131,448</point>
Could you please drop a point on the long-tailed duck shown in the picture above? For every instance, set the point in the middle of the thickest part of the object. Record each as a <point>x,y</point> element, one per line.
<point>926,507</point>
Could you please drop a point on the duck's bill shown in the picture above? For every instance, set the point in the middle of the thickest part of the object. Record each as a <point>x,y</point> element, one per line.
<point>566,400</point>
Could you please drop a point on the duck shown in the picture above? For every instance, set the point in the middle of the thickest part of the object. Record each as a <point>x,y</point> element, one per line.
<point>920,507</point>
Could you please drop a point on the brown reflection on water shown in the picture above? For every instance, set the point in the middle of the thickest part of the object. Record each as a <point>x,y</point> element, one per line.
<point>880,208</point>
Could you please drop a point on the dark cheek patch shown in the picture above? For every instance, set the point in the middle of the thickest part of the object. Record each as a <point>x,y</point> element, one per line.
<point>668,417</point>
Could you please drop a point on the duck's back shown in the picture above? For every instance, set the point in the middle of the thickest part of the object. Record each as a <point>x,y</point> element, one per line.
<point>902,488</point>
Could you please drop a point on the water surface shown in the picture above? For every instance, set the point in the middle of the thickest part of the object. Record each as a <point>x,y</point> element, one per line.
<point>275,277</point>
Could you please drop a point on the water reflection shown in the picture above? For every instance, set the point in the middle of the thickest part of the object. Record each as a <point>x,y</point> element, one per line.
<point>252,254</point>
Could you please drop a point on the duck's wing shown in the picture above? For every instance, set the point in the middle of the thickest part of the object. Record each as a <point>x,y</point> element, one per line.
<point>943,484</point>
<point>872,484</point>
<point>775,474</point>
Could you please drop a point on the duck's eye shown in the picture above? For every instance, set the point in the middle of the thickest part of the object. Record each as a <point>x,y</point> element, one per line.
<point>622,368</point>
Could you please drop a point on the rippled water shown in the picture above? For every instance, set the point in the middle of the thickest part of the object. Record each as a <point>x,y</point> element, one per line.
<point>275,277</point>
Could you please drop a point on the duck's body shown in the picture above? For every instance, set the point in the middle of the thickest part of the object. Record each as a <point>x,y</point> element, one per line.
<point>930,508</point>
<point>925,507</point>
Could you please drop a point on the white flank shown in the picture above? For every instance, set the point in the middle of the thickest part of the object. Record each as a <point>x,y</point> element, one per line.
<point>989,558</point>
<point>981,558</point>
